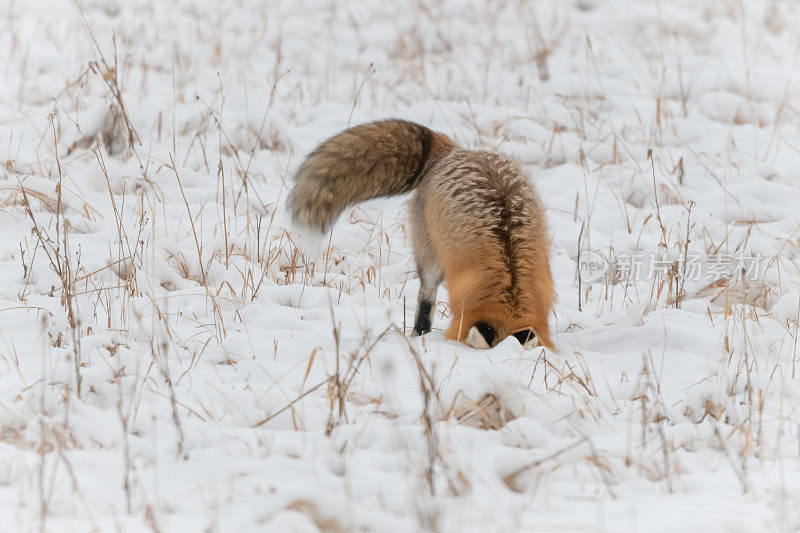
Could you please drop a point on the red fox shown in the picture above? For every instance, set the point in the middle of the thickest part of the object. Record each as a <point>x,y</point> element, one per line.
<point>477,223</point>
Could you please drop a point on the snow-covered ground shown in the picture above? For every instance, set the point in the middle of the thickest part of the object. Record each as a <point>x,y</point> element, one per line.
<point>147,147</point>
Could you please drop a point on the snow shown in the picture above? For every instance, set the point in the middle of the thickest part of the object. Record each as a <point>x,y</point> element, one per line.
<point>210,395</point>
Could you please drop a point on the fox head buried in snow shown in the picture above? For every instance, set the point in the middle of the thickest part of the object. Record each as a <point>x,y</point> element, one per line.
<point>482,336</point>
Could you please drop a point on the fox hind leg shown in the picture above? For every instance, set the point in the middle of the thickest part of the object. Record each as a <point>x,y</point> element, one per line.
<point>430,278</point>
<point>428,269</point>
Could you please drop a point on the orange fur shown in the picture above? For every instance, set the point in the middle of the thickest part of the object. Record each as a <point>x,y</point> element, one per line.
<point>472,300</point>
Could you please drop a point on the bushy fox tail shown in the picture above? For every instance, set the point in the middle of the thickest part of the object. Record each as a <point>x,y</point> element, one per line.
<point>377,159</point>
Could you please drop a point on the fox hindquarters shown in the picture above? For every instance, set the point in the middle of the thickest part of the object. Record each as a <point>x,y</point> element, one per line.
<point>477,223</point>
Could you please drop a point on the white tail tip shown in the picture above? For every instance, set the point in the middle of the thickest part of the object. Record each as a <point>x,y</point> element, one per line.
<point>307,239</point>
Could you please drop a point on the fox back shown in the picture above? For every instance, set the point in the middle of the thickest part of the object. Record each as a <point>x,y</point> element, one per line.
<point>489,232</point>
